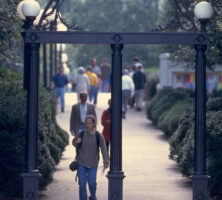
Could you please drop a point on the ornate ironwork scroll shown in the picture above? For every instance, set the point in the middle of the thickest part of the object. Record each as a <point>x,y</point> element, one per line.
<point>52,10</point>
<point>183,18</point>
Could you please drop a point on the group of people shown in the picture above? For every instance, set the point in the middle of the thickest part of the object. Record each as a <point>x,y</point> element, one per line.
<point>88,141</point>
<point>92,80</point>
<point>133,87</point>
<point>83,119</point>
<point>133,83</point>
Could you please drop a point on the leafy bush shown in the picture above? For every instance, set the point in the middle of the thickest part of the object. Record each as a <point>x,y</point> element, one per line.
<point>214,104</point>
<point>214,149</point>
<point>185,124</point>
<point>164,100</point>
<point>177,121</point>
<point>169,120</point>
<point>216,93</point>
<point>52,139</point>
<point>151,86</point>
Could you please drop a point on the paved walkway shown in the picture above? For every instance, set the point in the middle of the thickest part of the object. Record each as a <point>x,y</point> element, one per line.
<point>150,175</point>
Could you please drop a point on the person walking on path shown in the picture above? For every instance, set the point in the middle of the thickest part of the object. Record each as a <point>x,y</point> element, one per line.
<point>105,70</point>
<point>59,84</point>
<point>127,91</point>
<point>79,113</point>
<point>139,80</point>
<point>106,122</point>
<point>82,82</point>
<point>96,69</point>
<point>93,84</point>
<point>136,63</point>
<point>88,157</point>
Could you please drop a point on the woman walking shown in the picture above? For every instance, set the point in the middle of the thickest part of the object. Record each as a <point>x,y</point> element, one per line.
<point>106,122</point>
<point>88,142</point>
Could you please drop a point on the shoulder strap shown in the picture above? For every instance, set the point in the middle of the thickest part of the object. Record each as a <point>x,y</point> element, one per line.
<point>81,136</point>
<point>97,139</point>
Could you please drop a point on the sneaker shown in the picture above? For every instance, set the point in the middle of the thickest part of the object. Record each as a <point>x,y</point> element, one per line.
<point>62,110</point>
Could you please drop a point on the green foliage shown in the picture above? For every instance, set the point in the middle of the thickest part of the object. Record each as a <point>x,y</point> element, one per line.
<point>185,17</point>
<point>214,149</point>
<point>10,38</point>
<point>216,93</point>
<point>152,81</point>
<point>164,100</point>
<point>169,120</point>
<point>51,143</point>
<point>112,16</point>
<point>178,123</point>
<point>214,104</point>
<point>12,137</point>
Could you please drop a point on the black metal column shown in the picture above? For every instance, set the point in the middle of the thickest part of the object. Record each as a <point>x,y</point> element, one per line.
<point>31,175</point>
<point>25,72</point>
<point>55,58</point>
<point>44,65</point>
<point>28,24</point>
<point>50,61</point>
<point>200,177</point>
<point>116,175</point>
<point>60,55</point>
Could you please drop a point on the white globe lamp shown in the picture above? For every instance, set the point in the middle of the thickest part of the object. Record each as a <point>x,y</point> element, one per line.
<point>203,10</point>
<point>30,8</point>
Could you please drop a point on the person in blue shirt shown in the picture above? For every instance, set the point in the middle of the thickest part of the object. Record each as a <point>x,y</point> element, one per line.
<point>59,84</point>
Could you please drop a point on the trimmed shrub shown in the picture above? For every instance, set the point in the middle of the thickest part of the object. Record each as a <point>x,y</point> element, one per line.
<point>169,120</point>
<point>177,121</point>
<point>214,149</point>
<point>12,137</point>
<point>151,90</point>
<point>164,100</point>
<point>185,154</point>
<point>52,139</point>
<point>185,123</point>
<point>214,104</point>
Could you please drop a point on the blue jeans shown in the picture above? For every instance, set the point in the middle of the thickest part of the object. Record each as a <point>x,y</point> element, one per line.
<point>92,92</point>
<point>87,175</point>
<point>105,84</point>
<point>60,92</point>
<point>95,95</point>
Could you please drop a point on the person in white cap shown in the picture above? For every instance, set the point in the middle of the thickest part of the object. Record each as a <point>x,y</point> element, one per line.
<point>82,82</point>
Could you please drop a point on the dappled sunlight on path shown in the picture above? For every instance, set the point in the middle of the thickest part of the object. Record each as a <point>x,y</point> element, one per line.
<point>150,175</point>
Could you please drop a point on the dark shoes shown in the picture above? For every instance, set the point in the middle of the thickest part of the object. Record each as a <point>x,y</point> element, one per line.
<point>62,110</point>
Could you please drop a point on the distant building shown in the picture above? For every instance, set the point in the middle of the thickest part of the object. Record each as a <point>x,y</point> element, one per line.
<point>178,76</point>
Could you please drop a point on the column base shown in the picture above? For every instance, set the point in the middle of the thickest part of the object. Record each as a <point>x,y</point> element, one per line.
<point>200,186</point>
<point>115,190</point>
<point>30,185</point>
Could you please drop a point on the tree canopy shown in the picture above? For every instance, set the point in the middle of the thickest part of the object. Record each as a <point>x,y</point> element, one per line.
<point>113,16</point>
<point>184,12</point>
<point>10,37</point>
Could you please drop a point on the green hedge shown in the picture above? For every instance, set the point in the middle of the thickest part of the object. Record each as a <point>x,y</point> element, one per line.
<point>52,139</point>
<point>169,120</point>
<point>151,84</point>
<point>177,122</point>
<point>214,149</point>
<point>164,100</point>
